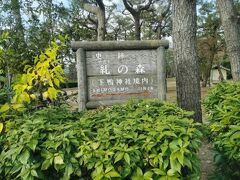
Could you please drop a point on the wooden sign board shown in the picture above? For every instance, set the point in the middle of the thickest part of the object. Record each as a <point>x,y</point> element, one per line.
<point>113,72</point>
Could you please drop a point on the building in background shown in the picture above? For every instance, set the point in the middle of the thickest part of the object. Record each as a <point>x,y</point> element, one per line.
<point>216,72</point>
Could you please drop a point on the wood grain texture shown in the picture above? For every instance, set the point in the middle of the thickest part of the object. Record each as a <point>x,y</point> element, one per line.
<point>161,74</point>
<point>82,79</point>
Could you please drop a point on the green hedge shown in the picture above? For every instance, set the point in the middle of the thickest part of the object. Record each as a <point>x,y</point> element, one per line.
<point>139,140</point>
<point>3,96</point>
<point>223,107</point>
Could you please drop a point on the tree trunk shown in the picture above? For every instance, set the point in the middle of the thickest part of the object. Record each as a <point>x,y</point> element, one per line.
<point>185,55</point>
<point>229,18</point>
<point>99,11</point>
<point>160,31</point>
<point>207,72</point>
<point>49,20</point>
<point>17,16</point>
<point>115,36</point>
<point>136,12</point>
<point>137,27</point>
<point>221,78</point>
<point>101,24</point>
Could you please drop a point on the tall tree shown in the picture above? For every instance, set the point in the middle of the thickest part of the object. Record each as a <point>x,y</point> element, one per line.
<point>13,24</point>
<point>230,23</point>
<point>185,55</point>
<point>120,27</point>
<point>162,19</point>
<point>210,41</point>
<point>15,4</point>
<point>136,10</point>
<point>98,9</point>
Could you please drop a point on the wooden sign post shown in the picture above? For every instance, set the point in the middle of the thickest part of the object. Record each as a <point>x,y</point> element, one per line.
<point>111,72</point>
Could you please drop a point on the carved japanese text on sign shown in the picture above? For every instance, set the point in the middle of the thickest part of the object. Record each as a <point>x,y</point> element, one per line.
<point>121,74</point>
<point>111,72</point>
<point>121,62</point>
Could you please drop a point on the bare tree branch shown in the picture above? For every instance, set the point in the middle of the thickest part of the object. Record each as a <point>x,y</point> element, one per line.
<point>129,7</point>
<point>90,8</point>
<point>145,7</point>
<point>164,13</point>
<point>92,20</point>
<point>100,4</point>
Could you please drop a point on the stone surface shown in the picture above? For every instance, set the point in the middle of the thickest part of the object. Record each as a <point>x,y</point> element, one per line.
<point>121,74</point>
<point>119,45</point>
<point>112,72</point>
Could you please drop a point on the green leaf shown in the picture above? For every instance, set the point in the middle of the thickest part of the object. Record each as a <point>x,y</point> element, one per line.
<point>46,154</point>
<point>175,165</point>
<point>95,145</point>
<point>24,157</point>
<point>46,163</point>
<point>172,178</point>
<point>109,168</point>
<point>139,172</point>
<point>33,144</point>
<point>180,142</point>
<point>4,108</point>
<point>58,160</point>
<point>18,107</point>
<point>25,173</point>
<point>127,158</point>
<point>148,175</point>
<point>34,173</point>
<point>68,172</point>
<point>1,127</point>
<point>163,178</point>
<point>99,168</point>
<point>56,82</point>
<point>159,171</point>
<point>113,174</point>
<point>187,163</point>
<point>165,163</point>
<point>119,156</point>
<point>52,93</point>
<point>235,136</point>
<point>180,157</point>
<point>136,177</point>
<point>171,172</point>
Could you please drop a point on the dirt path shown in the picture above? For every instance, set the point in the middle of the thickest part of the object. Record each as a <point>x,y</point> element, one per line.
<point>206,157</point>
<point>205,153</point>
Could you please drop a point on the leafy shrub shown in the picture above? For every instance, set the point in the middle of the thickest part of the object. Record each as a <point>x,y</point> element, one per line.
<point>31,140</point>
<point>42,80</point>
<point>139,140</point>
<point>3,96</point>
<point>4,90</point>
<point>39,85</point>
<point>223,106</point>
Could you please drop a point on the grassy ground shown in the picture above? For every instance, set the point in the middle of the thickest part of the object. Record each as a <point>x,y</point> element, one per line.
<point>171,90</point>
